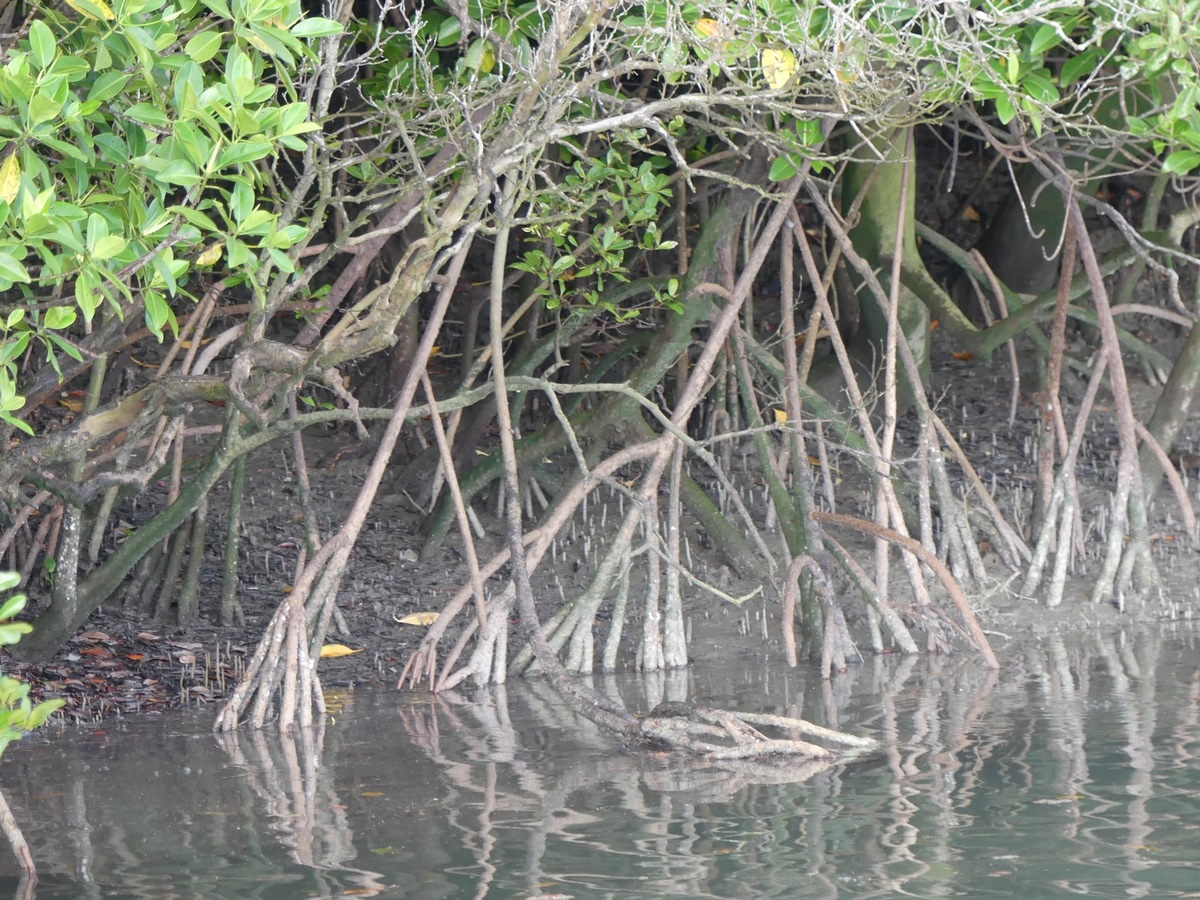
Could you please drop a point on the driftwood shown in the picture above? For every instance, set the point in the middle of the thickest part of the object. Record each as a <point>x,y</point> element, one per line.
<point>722,734</point>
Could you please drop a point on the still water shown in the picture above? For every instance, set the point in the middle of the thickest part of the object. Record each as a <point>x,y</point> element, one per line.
<point>1073,771</point>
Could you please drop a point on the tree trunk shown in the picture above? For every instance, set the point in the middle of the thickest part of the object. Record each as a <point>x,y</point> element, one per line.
<point>879,183</point>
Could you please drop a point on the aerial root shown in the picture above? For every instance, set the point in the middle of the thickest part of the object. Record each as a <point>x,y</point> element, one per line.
<point>727,734</point>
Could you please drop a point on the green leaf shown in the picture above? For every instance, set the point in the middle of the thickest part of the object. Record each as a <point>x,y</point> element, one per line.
<point>195,217</point>
<point>11,632</point>
<point>1046,37</point>
<point>1005,110</point>
<point>107,86</point>
<point>180,172</point>
<point>8,581</point>
<point>69,150</point>
<point>281,260</point>
<point>203,46</point>
<point>86,285</point>
<point>108,246</point>
<point>1181,162</point>
<point>43,108</point>
<point>1040,87</point>
<point>316,27</point>
<point>450,32</point>
<point>12,269</point>
<point>782,169</point>
<point>242,152</point>
<point>10,351</point>
<point>237,253</point>
<point>59,317</point>
<point>96,229</point>
<point>149,114</point>
<point>42,46</point>
<point>259,221</point>
<point>158,314</point>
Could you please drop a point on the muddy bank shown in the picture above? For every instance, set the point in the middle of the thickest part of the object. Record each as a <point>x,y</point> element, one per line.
<point>125,664</point>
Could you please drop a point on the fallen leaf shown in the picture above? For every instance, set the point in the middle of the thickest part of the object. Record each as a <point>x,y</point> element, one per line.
<point>333,651</point>
<point>822,333</point>
<point>962,355</point>
<point>971,214</point>
<point>422,618</point>
<point>780,416</point>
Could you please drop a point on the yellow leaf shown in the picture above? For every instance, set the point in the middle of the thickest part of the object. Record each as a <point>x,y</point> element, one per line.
<point>104,9</point>
<point>211,254</point>
<point>706,28</point>
<point>780,416</point>
<point>258,43</point>
<point>970,214</point>
<point>10,178</point>
<point>422,618</point>
<point>73,405</point>
<point>822,333</point>
<point>778,67</point>
<point>333,651</point>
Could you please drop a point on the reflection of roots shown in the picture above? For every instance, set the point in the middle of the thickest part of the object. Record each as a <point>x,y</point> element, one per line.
<point>721,734</point>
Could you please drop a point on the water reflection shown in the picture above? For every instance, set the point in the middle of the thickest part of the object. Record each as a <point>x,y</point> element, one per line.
<point>1070,771</point>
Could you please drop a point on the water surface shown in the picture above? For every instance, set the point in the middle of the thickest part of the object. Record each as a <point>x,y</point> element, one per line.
<point>1072,771</point>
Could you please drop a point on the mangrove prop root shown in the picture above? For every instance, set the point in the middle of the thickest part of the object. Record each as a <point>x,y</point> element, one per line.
<point>939,568</point>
